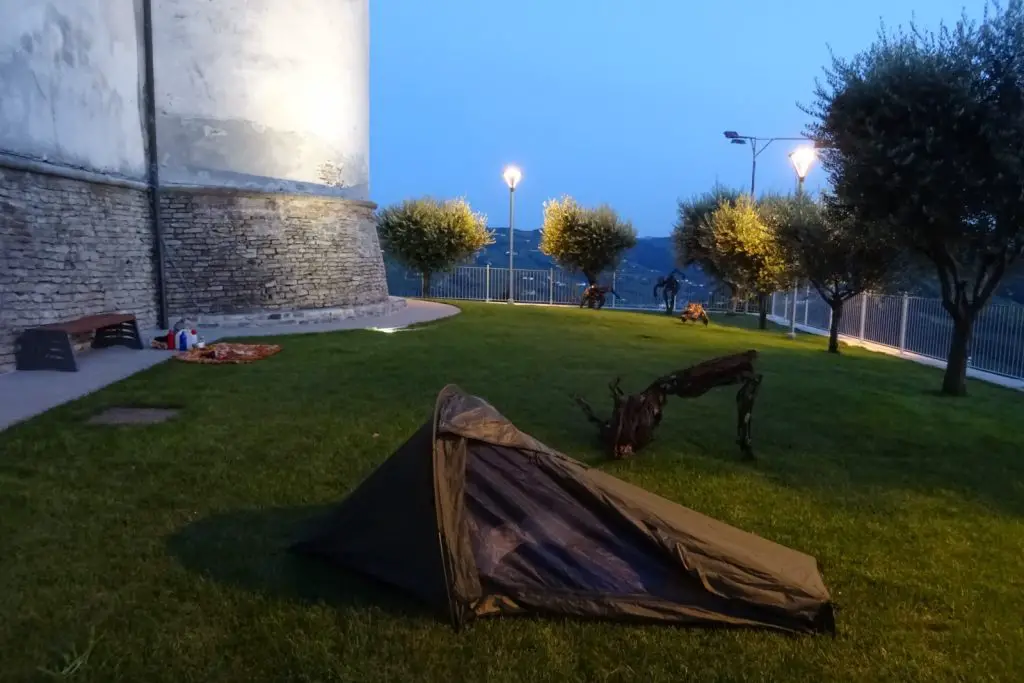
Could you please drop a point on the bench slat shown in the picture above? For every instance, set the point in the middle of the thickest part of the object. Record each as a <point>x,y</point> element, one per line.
<point>89,323</point>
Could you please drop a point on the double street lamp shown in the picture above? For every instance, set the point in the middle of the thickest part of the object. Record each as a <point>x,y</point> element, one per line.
<point>755,149</point>
<point>802,158</point>
<point>512,177</point>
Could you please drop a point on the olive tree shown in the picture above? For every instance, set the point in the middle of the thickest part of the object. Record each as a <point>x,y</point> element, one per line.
<point>693,238</point>
<point>432,236</point>
<point>924,136</point>
<point>742,238</point>
<point>583,239</point>
<point>838,255</point>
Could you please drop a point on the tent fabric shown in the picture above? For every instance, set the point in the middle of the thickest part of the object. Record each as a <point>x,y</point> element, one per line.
<point>387,525</point>
<point>477,518</point>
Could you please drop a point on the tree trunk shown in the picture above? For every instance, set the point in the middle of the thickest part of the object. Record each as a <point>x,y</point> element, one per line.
<point>734,302</point>
<point>954,383</point>
<point>836,305</point>
<point>762,312</point>
<point>426,285</point>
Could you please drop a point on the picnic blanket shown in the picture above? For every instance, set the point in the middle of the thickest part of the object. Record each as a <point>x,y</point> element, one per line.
<point>229,353</point>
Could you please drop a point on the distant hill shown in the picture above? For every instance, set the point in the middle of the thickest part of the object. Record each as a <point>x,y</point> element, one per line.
<point>653,254</point>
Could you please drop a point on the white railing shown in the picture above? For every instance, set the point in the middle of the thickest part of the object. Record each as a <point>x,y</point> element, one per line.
<point>552,286</point>
<point>915,325</point>
<point>908,324</point>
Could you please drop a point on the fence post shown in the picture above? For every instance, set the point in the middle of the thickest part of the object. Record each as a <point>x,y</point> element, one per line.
<point>830,320</point>
<point>863,312</point>
<point>487,283</point>
<point>807,302</point>
<point>615,298</point>
<point>551,286</point>
<point>773,305</point>
<point>903,322</point>
<point>792,311</point>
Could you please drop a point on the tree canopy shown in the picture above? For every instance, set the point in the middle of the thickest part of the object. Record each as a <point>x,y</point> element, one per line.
<point>832,250</point>
<point>693,237</point>
<point>840,256</point>
<point>432,236</point>
<point>583,239</point>
<point>924,136</point>
<point>747,242</point>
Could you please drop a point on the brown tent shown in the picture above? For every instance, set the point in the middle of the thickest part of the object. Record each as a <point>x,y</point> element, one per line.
<point>476,517</point>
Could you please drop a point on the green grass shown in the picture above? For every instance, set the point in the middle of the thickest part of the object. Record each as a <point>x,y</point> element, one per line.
<point>156,553</point>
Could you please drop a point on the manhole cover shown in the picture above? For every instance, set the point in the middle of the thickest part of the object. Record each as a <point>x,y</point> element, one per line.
<point>133,416</point>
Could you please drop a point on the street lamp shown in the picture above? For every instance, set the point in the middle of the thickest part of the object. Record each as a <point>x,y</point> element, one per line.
<point>802,158</point>
<point>512,177</point>
<point>737,139</point>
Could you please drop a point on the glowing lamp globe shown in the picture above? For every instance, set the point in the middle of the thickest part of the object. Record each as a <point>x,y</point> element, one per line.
<point>803,158</point>
<point>512,177</point>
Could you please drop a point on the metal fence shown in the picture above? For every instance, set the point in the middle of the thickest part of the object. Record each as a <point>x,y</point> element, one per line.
<point>915,325</point>
<point>905,323</point>
<point>551,286</point>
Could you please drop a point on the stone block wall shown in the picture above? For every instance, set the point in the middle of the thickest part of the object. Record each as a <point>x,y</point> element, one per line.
<point>70,248</point>
<point>235,252</point>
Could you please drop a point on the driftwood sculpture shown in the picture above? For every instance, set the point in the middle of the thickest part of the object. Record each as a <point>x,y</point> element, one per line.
<point>634,417</point>
<point>695,312</point>
<point>594,296</point>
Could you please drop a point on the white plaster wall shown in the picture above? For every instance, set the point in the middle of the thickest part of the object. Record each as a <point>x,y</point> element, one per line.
<point>69,83</point>
<point>263,94</point>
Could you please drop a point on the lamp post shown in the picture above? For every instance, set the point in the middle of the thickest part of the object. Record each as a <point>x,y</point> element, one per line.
<point>512,177</point>
<point>802,158</point>
<point>755,151</point>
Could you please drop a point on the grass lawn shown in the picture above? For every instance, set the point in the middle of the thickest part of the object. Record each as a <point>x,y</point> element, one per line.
<point>156,553</point>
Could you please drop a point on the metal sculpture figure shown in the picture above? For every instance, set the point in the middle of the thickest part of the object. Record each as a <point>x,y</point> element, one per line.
<point>594,296</point>
<point>670,289</point>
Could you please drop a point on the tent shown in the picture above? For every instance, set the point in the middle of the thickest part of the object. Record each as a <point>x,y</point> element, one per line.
<point>477,518</point>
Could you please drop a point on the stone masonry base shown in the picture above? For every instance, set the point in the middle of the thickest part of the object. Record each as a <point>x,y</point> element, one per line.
<point>300,317</point>
<point>70,248</point>
<point>239,253</point>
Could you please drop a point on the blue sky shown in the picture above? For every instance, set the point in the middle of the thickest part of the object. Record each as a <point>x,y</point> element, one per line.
<point>617,101</point>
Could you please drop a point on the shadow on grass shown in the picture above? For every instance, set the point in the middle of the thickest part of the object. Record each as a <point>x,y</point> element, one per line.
<point>249,549</point>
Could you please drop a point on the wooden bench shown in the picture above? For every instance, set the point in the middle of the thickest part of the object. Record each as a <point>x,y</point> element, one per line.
<point>48,347</point>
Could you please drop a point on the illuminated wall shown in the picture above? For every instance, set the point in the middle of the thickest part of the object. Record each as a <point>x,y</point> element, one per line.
<point>70,87</point>
<point>264,94</point>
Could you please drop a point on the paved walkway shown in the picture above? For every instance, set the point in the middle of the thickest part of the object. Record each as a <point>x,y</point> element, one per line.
<point>27,394</point>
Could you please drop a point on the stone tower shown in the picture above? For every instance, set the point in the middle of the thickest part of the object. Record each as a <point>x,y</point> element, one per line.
<point>253,130</point>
